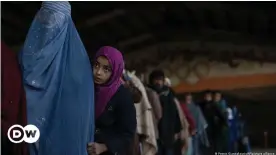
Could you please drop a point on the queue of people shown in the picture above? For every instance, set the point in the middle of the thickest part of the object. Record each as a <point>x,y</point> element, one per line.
<point>102,109</point>
<point>192,128</point>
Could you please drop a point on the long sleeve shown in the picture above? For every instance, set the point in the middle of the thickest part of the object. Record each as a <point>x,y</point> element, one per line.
<point>155,103</point>
<point>136,93</point>
<point>126,119</point>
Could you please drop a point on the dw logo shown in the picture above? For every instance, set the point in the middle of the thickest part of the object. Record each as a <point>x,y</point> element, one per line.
<point>18,134</point>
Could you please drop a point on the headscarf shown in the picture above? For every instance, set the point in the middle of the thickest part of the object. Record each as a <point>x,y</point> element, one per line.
<point>168,82</point>
<point>201,123</point>
<point>13,101</point>
<point>105,92</point>
<point>58,81</point>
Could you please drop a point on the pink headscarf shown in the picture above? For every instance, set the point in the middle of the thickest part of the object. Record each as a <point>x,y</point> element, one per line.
<point>104,92</point>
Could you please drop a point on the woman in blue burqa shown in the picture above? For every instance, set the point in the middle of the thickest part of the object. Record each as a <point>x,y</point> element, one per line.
<point>200,139</point>
<point>58,81</point>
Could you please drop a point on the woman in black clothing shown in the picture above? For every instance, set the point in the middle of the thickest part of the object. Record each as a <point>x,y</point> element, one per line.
<point>114,108</point>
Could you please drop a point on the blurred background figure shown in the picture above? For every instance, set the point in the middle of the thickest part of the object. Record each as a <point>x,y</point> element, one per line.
<point>233,128</point>
<point>137,97</point>
<point>200,138</point>
<point>183,141</point>
<point>144,116</point>
<point>170,125</point>
<point>222,128</point>
<point>214,119</point>
<point>243,138</point>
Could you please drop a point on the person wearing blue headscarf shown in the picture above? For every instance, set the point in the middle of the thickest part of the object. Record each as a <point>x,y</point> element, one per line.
<point>58,81</point>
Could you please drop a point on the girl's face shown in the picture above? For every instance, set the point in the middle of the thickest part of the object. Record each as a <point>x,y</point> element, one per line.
<point>102,70</point>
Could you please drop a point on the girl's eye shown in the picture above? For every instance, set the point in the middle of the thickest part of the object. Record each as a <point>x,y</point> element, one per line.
<point>107,69</point>
<point>96,65</point>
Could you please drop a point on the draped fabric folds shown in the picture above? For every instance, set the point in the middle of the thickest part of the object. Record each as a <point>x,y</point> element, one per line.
<point>144,115</point>
<point>58,82</point>
<point>201,138</point>
<point>184,124</point>
<point>201,123</point>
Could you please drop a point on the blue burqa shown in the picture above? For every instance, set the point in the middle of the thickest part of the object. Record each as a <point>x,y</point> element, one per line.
<point>58,82</point>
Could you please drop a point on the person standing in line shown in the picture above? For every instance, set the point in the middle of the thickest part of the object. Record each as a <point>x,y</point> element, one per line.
<point>212,115</point>
<point>222,128</point>
<point>200,139</point>
<point>156,107</point>
<point>169,125</point>
<point>144,116</point>
<point>114,108</point>
<point>243,138</point>
<point>137,97</point>
<point>233,128</point>
<point>192,127</point>
<point>183,143</point>
<point>156,110</point>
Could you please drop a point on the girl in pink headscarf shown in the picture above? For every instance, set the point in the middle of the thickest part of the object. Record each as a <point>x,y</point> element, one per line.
<point>114,109</point>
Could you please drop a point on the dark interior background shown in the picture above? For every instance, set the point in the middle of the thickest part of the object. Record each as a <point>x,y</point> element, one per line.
<point>131,26</point>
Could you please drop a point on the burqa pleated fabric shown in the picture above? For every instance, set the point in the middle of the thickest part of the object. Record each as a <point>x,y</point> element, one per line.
<point>58,82</point>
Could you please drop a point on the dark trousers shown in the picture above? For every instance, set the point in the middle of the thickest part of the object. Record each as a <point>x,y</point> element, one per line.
<point>212,139</point>
<point>178,147</point>
<point>163,150</point>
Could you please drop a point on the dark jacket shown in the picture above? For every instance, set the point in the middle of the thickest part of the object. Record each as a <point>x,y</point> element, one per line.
<point>170,123</point>
<point>116,126</point>
<point>211,113</point>
<point>13,101</point>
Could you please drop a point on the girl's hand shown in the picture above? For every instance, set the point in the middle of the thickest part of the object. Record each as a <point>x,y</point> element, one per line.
<point>96,148</point>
